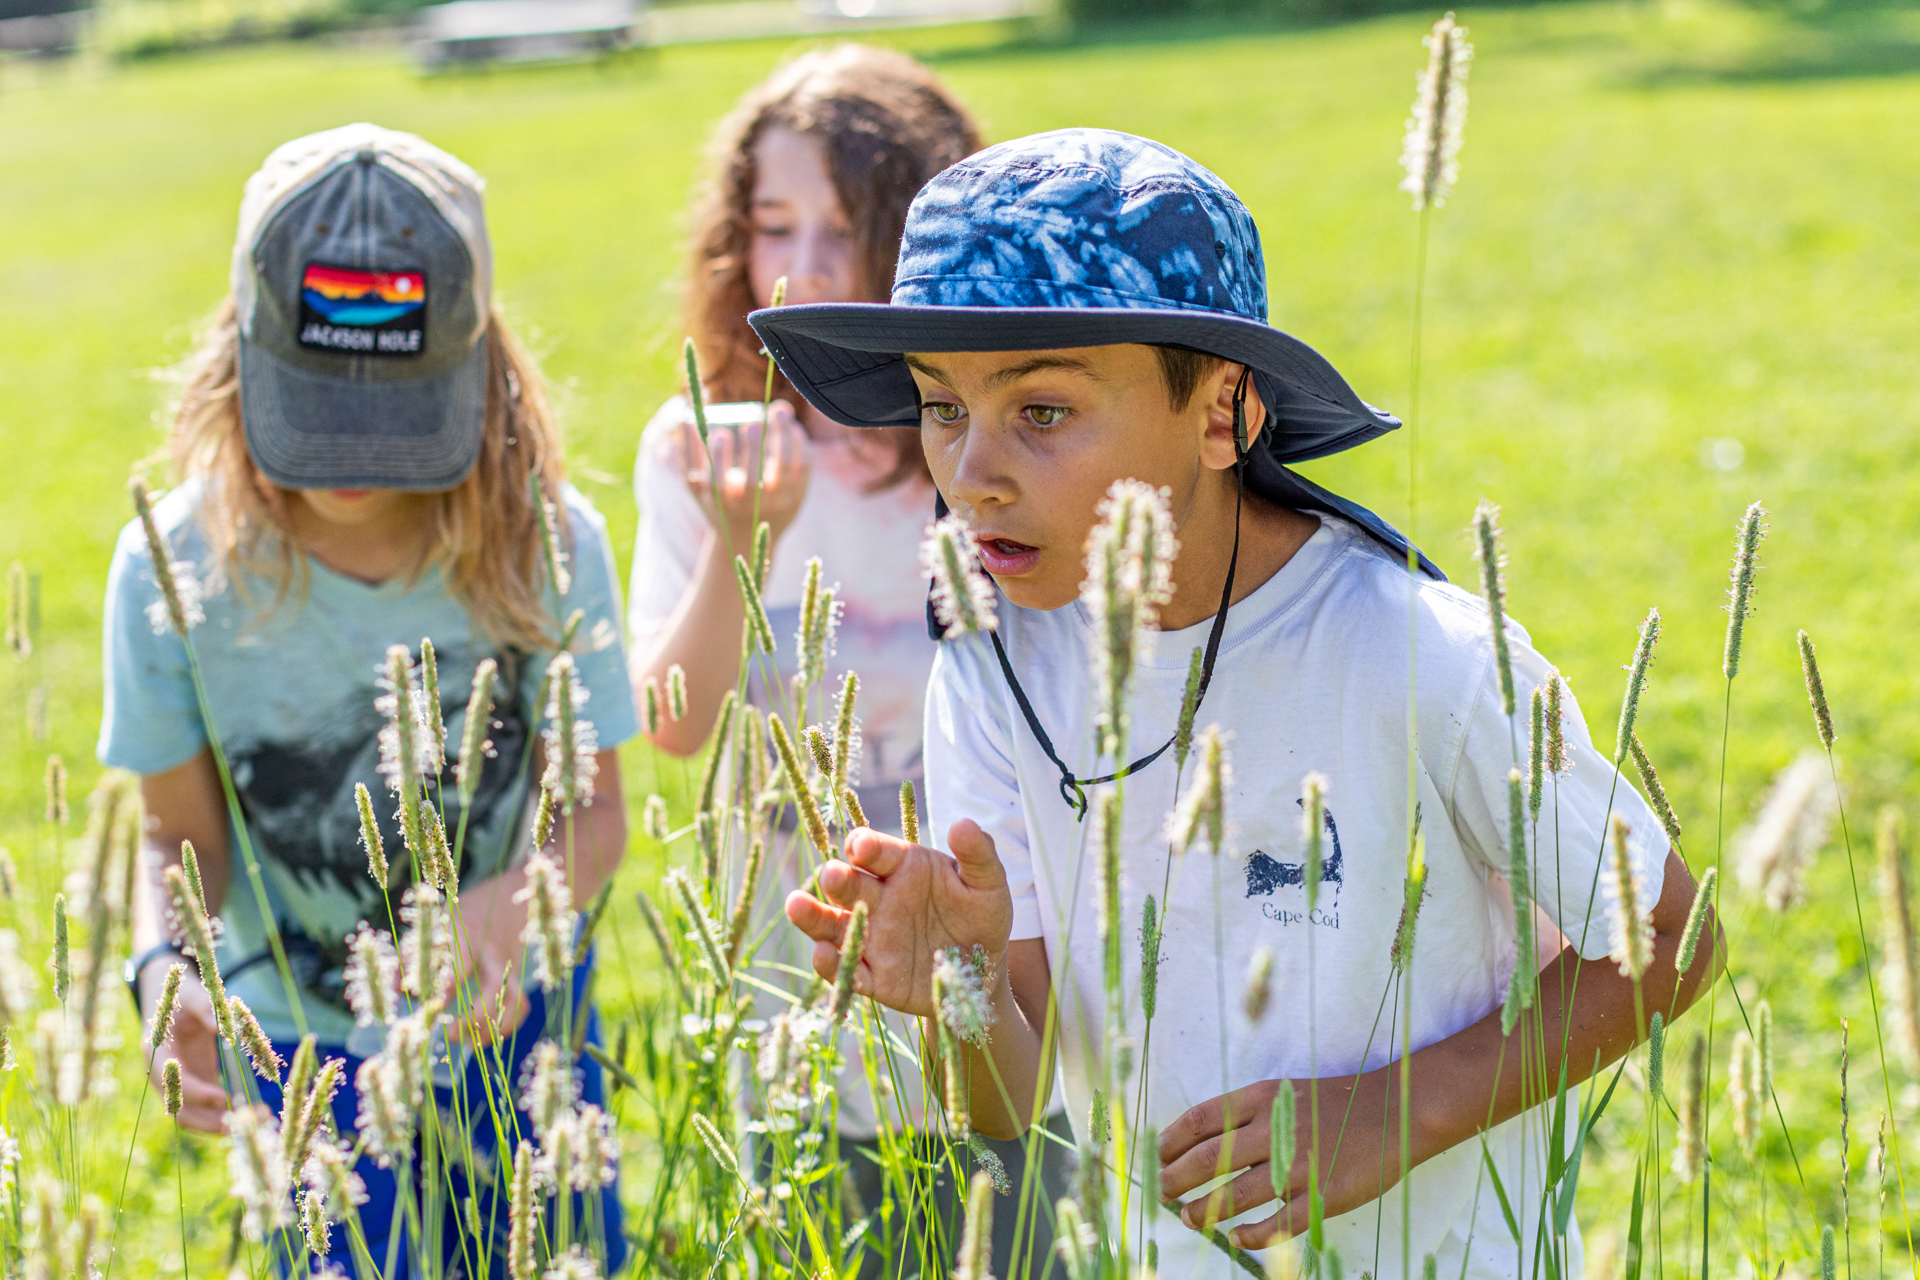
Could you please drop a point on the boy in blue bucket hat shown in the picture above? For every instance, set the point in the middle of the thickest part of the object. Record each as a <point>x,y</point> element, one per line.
<point>1083,307</point>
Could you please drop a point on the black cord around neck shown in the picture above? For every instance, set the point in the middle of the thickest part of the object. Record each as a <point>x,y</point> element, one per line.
<point>1072,789</point>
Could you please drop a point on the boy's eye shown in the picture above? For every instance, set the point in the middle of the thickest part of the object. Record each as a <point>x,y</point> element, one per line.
<point>1046,415</point>
<point>771,231</point>
<point>943,412</point>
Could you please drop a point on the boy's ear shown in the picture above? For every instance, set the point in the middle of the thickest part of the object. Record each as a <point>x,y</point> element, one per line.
<point>1216,390</point>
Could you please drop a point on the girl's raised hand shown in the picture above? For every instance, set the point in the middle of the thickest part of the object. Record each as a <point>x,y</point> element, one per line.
<point>723,483</point>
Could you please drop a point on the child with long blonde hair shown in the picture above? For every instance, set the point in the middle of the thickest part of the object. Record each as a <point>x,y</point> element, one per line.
<point>367,462</point>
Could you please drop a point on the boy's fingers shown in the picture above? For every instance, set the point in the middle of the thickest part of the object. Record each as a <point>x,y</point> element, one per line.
<point>1243,1193</point>
<point>973,849</point>
<point>204,1119</point>
<point>844,886</point>
<point>1258,1235</point>
<point>815,918</point>
<point>826,962</point>
<point>1215,1116</point>
<point>874,853</point>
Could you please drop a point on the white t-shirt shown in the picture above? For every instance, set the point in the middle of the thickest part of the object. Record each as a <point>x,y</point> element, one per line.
<point>1311,675</point>
<point>868,543</point>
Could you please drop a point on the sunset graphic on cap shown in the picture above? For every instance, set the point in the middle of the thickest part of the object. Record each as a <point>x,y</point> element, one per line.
<point>345,296</point>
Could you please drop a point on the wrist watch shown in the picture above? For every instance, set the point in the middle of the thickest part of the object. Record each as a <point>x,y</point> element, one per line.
<point>132,971</point>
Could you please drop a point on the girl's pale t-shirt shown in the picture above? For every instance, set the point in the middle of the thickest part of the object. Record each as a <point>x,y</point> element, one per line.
<point>1311,675</point>
<point>292,696</point>
<point>869,545</point>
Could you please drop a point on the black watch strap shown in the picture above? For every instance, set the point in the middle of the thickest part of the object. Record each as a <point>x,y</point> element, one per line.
<point>134,966</point>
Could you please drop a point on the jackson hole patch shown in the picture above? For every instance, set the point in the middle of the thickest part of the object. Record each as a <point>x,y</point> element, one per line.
<point>363,313</point>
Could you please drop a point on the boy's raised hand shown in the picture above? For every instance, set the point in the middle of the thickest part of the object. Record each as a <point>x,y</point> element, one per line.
<point>919,901</point>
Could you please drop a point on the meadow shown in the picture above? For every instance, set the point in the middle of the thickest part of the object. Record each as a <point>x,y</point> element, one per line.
<point>1676,278</point>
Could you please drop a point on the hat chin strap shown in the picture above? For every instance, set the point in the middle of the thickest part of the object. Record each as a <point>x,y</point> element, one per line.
<point>1072,789</point>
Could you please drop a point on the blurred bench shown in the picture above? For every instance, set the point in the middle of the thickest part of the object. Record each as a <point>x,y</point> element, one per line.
<point>43,27</point>
<point>476,32</point>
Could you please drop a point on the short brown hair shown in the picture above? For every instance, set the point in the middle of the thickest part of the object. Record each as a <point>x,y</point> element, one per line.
<point>1183,368</point>
<point>886,125</point>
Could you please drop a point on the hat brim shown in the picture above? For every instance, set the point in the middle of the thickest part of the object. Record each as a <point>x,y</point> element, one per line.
<point>846,359</point>
<point>311,431</point>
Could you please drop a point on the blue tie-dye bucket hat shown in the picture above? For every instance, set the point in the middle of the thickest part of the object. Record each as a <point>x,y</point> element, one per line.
<point>1079,238</point>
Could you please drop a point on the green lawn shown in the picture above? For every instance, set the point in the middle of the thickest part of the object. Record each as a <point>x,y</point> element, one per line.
<point>1676,224</point>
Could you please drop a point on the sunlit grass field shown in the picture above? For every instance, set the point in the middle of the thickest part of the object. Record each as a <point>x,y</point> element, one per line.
<point>1678,274</point>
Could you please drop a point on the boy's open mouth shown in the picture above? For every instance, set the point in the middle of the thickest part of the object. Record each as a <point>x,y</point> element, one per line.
<point>1003,557</point>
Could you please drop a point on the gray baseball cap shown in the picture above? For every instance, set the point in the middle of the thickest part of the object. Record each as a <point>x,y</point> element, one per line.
<point>362,278</point>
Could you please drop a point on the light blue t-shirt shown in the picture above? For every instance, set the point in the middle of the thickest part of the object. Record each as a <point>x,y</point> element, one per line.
<point>292,698</point>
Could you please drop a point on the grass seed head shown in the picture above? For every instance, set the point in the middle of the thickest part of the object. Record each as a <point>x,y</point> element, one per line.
<point>846,732</point>
<point>1559,755</point>
<point>475,746</point>
<point>1746,544</point>
<point>19,630</point>
<point>856,815</point>
<point>1536,751</point>
<point>1656,1056</point>
<point>722,732</point>
<point>1202,810</point>
<point>813,659</point>
<point>1703,899</point>
<point>819,749</point>
<point>1281,1136</point>
<point>1430,152</point>
<point>163,1008</point>
<point>654,820</point>
<point>1189,707</point>
<point>430,713</point>
<point>1657,794</point>
<point>1632,931</point>
<point>743,904</point>
<point>759,627</point>
<point>1793,825</point>
<point>1149,957</point>
<point>370,838</point>
<point>1259,987</point>
<point>963,598</point>
<point>550,921</point>
<point>258,1171</point>
<point>1491,558</point>
<point>249,1038</point>
<point>61,961</point>
<point>1743,1094</point>
<point>1636,683</point>
<point>1313,831</point>
<point>1900,973</point>
<point>1816,692</point>
<point>1413,893</point>
<point>552,550</point>
<point>909,813</point>
<point>1827,1266</point>
<point>961,996</point>
<point>573,746</point>
<point>677,692</point>
<point>170,1087</point>
<point>1525,976</point>
<point>810,818</point>
<point>650,707</point>
<point>710,949</point>
<point>1690,1126</point>
<point>1129,559</point>
<point>716,1145</point>
<point>851,949</point>
<point>56,791</point>
<point>975,1260</point>
<point>179,604</point>
<point>524,1205</point>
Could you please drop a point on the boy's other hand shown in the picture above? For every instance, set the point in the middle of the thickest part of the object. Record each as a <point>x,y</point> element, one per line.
<point>194,1041</point>
<point>1234,1134</point>
<point>919,901</point>
<point>782,451</point>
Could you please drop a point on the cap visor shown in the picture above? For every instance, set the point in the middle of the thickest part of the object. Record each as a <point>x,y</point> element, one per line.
<point>308,431</point>
<point>845,358</point>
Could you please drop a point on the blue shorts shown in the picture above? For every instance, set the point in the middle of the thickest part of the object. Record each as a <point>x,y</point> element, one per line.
<point>598,1217</point>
